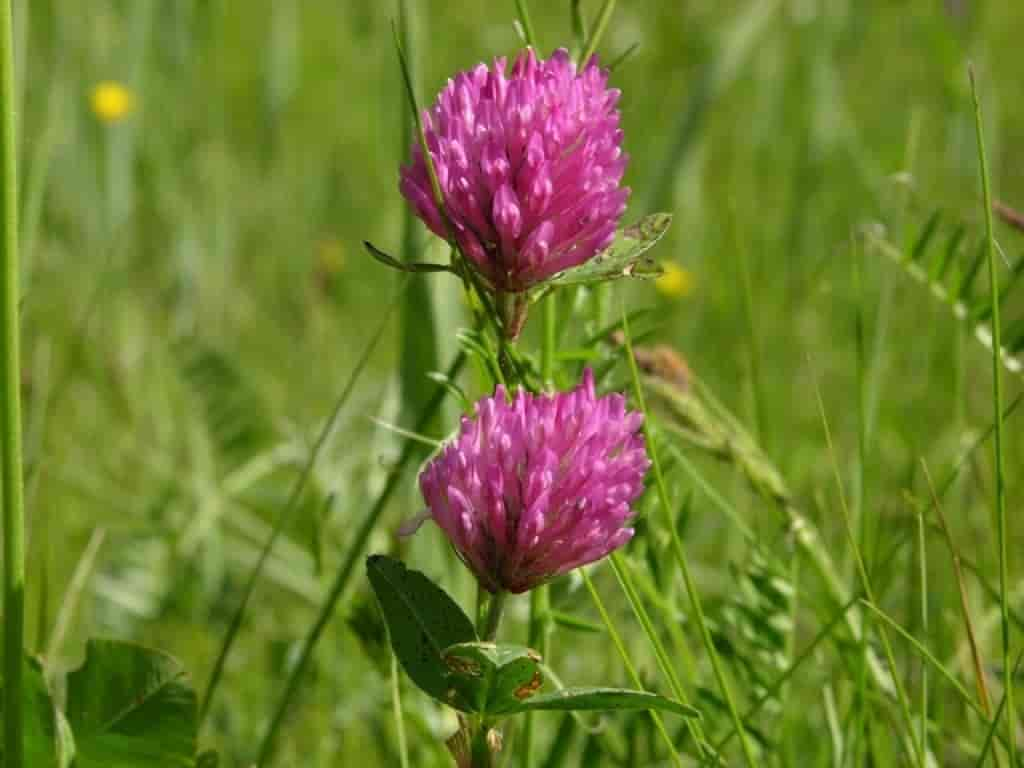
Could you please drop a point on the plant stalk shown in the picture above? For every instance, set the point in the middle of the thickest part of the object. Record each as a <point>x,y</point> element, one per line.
<point>495,609</point>
<point>1002,534</point>
<point>10,408</point>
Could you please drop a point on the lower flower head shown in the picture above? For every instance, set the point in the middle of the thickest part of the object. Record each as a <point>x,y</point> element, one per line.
<point>533,488</point>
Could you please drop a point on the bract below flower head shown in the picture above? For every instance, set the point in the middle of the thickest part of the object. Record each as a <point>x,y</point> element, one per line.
<point>529,163</point>
<point>534,487</point>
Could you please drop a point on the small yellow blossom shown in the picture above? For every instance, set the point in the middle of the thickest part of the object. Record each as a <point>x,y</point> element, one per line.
<point>675,282</point>
<point>111,101</point>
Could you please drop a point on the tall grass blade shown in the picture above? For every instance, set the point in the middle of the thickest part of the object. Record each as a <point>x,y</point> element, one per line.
<point>680,555</point>
<point>286,511</point>
<point>524,19</point>
<point>918,754</point>
<point>418,346</point>
<point>348,566</point>
<point>627,662</point>
<point>603,17</point>
<point>1002,533</point>
<point>10,407</point>
<point>979,670</point>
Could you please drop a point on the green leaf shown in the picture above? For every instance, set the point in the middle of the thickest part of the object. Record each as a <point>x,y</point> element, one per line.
<point>131,707</point>
<point>490,678</point>
<point>208,759</point>
<point>624,257</point>
<point>422,621</point>
<point>403,266</point>
<point>48,742</point>
<point>590,698</point>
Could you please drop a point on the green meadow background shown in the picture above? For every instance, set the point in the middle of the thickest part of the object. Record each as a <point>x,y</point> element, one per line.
<point>196,295</point>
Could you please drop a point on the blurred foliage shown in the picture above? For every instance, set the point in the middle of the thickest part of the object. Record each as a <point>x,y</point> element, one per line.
<point>196,293</point>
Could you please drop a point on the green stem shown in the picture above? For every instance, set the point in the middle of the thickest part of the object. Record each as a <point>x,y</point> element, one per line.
<point>481,756</point>
<point>681,560</point>
<point>540,609</point>
<point>494,611</point>
<point>10,408</point>
<point>547,351</point>
<point>524,18</point>
<point>1002,534</point>
<point>359,542</point>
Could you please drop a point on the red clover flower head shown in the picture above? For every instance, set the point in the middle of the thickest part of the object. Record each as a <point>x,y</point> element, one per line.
<point>529,164</point>
<point>533,488</point>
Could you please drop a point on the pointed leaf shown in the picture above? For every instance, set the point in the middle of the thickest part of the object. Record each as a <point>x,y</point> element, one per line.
<point>131,707</point>
<point>624,257</point>
<point>403,266</point>
<point>47,740</point>
<point>579,699</point>
<point>422,621</point>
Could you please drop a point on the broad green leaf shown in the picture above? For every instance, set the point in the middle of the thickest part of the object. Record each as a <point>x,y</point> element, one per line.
<point>422,621</point>
<point>578,699</point>
<point>624,257</point>
<point>131,707</point>
<point>47,741</point>
<point>490,678</point>
<point>208,759</point>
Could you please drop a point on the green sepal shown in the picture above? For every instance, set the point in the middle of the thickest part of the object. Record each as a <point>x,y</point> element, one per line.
<point>623,258</point>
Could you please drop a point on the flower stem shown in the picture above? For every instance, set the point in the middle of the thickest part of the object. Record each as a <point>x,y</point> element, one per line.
<point>10,408</point>
<point>494,611</point>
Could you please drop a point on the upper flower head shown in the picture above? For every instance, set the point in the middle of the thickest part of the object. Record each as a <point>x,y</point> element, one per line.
<point>529,165</point>
<point>537,487</point>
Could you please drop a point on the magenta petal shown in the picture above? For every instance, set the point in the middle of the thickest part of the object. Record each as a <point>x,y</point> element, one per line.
<point>533,488</point>
<point>516,150</point>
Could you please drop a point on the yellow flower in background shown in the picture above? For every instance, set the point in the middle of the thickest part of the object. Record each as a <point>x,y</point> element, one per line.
<point>330,255</point>
<point>675,282</point>
<point>111,101</point>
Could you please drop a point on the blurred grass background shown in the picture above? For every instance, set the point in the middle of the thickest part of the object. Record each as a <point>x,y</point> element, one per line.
<point>196,294</point>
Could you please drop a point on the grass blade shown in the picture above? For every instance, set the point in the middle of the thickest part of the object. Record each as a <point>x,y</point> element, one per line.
<point>10,407</point>
<point>627,662</point>
<point>603,17</point>
<point>524,19</point>
<point>354,556</point>
<point>680,555</point>
<point>915,747</point>
<point>418,343</point>
<point>286,511</point>
<point>979,669</point>
<point>1002,533</point>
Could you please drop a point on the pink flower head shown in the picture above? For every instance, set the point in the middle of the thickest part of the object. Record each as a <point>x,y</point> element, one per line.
<point>529,165</point>
<point>533,488</point>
